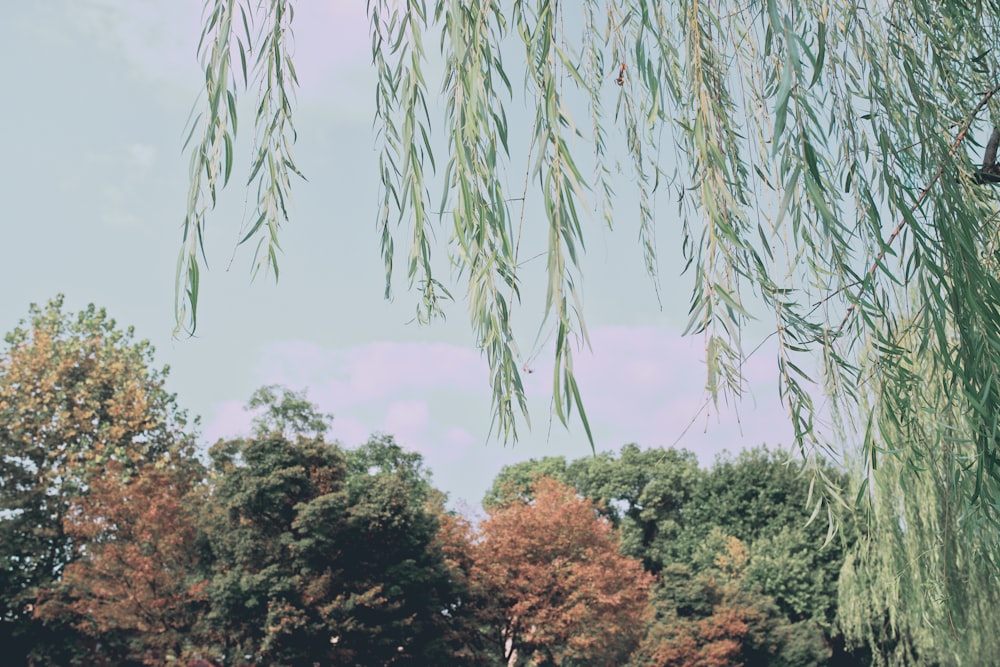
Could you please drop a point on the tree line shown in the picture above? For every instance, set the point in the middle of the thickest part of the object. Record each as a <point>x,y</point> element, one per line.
<point>122,544</point>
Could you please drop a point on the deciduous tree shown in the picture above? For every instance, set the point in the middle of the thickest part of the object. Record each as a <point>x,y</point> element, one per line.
<point>77,394</point>
<point>921,584</point>
<point>666,510</point>
<point>138,573</point>
<point>761,496</point>
<point>715,617</point>
<point>317,558</point>
<point>566,594</point>
<point>642,492</point>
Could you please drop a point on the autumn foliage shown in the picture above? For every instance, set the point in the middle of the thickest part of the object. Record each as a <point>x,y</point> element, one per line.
<point>77,394</point>
<point>138,571</point>
<point>564,591</point>
<point>119,546</point>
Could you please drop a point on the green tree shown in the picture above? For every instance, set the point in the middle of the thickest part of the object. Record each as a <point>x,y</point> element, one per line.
<point>667,510</point>
<point>287,412</point>
<point>650,491</point>
<point>259,593</point>
<point>394,542</point>
<point>761,496</point>
<point>383,458</point>
<point>716,617</point>
<point>77,394</point>
<point>315,560</point>
<point>821,154</point>
<point>515,482</point>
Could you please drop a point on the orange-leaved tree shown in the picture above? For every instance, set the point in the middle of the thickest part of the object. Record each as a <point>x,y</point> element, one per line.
<point>138,574</point>
<point>564,592</point>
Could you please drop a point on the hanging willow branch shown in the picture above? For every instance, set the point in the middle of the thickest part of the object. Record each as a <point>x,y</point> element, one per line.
<point>242,28</point>
<point>807,150</point>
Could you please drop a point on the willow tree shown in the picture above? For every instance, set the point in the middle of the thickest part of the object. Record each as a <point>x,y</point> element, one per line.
<point>922,585</point>
<point>823,155</point>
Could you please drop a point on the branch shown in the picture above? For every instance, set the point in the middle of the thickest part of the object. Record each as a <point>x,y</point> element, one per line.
<point>990,156</point>
<point>990,172</point>
<point>991,146</point>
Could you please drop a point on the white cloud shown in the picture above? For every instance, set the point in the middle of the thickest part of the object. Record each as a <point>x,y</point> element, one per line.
<point>407,420</point>
<point>457,436</point>
<point>641,384</point>
<point>330,44</point>
<point>229,420</point>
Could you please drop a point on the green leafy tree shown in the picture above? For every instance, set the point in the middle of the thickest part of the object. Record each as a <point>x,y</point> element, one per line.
<point>330,556</point>
<point>394,542</point>
<point>265,603</point>
<point>515,482</point>
<point>716,617</point>
<point>667,510</point>
<point>761,496</point>
<point>650,491</point>
<point>383,458</point>
<point>824,156</point>
<point>78,395</point>
<point>288,412</point>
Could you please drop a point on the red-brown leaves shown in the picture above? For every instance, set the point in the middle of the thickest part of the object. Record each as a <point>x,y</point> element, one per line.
<point>136,569</point>
<point>564,590</point>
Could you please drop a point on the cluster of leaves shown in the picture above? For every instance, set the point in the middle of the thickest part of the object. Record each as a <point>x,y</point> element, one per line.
<point>920,587</point>
<point>716,616</point>
<point>742,576</point>
<point>80,402</point>
<point>819,152</point>
<point>566,594</point>
<point>313,553</point>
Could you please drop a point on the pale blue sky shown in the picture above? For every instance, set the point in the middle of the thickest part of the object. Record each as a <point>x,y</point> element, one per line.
<point>94,180</point>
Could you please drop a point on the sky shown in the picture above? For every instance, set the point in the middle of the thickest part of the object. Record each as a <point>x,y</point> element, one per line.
<point>95,180</point>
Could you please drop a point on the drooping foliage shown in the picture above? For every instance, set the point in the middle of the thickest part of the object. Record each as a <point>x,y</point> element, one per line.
<point>817,162</point>
<point>922,584</point>
<point>119,547</point>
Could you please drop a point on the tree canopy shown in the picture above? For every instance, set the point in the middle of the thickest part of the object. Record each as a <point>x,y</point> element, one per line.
<point>821,161</point>
<point>119,546</point>
<point>564,593</point>
<point>80,399</point>
<point>741,570</point>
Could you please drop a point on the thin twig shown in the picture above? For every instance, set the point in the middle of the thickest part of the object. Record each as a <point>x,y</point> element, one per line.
<point>451,210</point>
<point>923,195</point>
